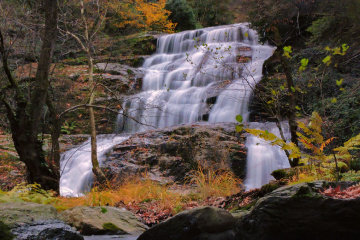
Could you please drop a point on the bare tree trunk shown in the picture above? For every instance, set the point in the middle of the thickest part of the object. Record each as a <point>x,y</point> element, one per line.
<point>94,160</point>
<point>95,163</point>
<point>292,105</point>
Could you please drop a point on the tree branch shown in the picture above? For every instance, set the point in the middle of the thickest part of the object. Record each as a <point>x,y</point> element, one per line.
<point>101,107</point>
<point>5,62</point>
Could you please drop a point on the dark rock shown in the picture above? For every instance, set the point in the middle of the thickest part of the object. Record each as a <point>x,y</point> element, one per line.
<point>46,230</point>
<point>301,212</point>
<point>206,223</point>
<point>121,77</point>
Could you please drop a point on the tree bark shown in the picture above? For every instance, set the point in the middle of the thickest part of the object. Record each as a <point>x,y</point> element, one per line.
<point>25,115</point>
<point>100,176</point>
<point>292,104</point>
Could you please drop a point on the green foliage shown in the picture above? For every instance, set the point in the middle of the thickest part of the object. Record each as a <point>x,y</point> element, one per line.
<point>279,174</point>
<point>287,51</point>
<point>212,12</point>
<point>328,165</point>
<point>320,27</point>
<point>304,62</point>
<point>182,14</point>
<point>337,21</point>
<point>104,210</point>
<point>67,128</point>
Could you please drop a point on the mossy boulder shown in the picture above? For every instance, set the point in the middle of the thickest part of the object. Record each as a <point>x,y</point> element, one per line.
<point>103,220</point>
<point>18,213</point>
<point>301,212</point>
<point>195,224</point>
<point>27,221</point>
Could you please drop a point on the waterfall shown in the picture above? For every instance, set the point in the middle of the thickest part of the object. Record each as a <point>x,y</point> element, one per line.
<point>262,158</point>
<point>76,166</point>
<point>196,76</point>
<point>200,75</point>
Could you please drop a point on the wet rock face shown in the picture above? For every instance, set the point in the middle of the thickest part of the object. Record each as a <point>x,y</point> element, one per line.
<point>103,220</point>
<point>196,224</point>
<point>30,221</point>
<point>173,152</point>
<point>300,212</point>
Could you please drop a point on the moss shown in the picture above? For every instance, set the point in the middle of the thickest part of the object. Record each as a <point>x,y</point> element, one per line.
<point>269,188</point>
<point>5,233</point>
<point>306,192</point>
<point>249,206</point>
<point>111,227</point>
<point>279,174</point>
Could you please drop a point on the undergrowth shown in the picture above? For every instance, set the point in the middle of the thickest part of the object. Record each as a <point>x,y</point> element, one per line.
<point>136,193</point>
<point>220,183</point>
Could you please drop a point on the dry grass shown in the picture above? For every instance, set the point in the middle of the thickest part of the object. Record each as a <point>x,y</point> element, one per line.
<point>218,183</point>
<point>133,190</point>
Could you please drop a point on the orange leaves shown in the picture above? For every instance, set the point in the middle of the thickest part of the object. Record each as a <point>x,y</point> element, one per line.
<point>327,142</point>
<point>143,14</point>
<point>348,193</point>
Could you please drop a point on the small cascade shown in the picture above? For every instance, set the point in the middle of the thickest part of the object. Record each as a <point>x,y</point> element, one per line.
<point>262,158</point>
<point>76,166</point>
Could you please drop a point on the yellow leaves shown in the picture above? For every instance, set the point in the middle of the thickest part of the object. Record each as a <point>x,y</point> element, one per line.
<point>294,151</point>
<point>287,51</point>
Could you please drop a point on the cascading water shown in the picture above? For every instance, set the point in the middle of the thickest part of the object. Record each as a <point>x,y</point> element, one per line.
<point>190,69</point>
<point>262,158</point>
<point>200,75</point>
<point>76,166</point>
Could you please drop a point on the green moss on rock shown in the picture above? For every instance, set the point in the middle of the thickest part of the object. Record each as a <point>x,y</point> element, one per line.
<point>111,227</point>
<point>5,233</point>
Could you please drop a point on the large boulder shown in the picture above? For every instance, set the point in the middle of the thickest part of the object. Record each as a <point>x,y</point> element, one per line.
<point>28,221</point>
<point>174,151</point>
<point>205,223</point>
<point>301,212</point>
<point>103,220</point>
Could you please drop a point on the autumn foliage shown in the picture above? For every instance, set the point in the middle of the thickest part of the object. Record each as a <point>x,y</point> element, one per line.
<point>143,15</point>
<point>348,193</point>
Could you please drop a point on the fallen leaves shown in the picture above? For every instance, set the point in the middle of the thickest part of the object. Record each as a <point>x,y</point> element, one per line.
<point>348,193</point>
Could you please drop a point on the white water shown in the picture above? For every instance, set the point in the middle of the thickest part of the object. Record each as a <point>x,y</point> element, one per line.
<point>181,77</point>
<point>188,69</point>
<point>262,158</point>
<point>76,166</point>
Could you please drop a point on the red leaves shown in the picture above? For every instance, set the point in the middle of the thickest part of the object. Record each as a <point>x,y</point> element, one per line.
<point>348,193</point>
